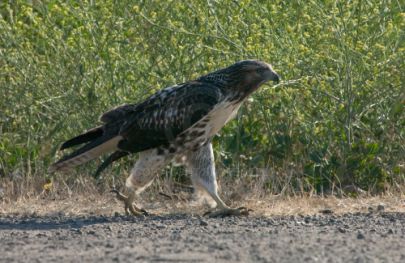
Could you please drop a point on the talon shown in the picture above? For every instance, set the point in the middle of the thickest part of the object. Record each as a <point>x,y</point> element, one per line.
<point>128,206</point>
<point>144,212</point>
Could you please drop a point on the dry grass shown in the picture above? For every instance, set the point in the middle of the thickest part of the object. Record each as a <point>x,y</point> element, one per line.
<point>105,204</point>
<point>83,197</point>
<point>313,205</point>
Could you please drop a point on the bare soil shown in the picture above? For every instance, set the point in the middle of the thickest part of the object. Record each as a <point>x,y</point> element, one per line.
<point>187,238</point>
<point>56,232</point>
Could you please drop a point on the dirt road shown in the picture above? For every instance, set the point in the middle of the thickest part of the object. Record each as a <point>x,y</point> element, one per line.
<point>373,237</point>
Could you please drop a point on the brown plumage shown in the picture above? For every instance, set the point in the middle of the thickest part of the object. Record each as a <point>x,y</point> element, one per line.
<point>169,119</point>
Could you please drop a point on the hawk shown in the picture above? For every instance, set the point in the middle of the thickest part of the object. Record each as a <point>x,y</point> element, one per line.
<point>176,123</point>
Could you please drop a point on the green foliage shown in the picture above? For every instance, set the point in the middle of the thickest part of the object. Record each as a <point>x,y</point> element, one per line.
<point>338,116</point>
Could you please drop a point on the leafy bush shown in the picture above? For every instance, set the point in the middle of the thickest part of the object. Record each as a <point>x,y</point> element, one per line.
<point>336,119</point>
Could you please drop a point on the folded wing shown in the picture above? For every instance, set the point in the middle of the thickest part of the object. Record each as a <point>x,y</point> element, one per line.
<point>133,128</point>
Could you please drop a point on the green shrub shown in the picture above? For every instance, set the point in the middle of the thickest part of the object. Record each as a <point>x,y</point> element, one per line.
<point>337,118</point>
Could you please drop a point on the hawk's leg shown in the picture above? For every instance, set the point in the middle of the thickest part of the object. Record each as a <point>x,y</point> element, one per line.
<point>141,177</point>
<point>202,168</point>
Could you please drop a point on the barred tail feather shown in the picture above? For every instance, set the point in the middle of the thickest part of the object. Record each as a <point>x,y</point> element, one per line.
<point>89,135</point>
<point>87,153</point>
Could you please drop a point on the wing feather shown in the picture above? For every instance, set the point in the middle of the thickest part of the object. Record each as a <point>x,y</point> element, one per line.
<point>137,127</point>
<point>162,117</point>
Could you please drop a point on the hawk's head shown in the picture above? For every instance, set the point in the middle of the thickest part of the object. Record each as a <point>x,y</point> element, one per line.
<point>243,77</point>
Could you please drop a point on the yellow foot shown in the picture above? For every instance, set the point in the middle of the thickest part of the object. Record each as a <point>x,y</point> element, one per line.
<point>241,211</point>
<point>129,206</point>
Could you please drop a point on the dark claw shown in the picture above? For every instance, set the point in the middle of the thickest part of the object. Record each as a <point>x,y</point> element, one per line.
<point>145,213</point>
<point>245,211</point>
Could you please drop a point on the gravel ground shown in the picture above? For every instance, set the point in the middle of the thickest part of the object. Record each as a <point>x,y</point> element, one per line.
<point>352,237</point>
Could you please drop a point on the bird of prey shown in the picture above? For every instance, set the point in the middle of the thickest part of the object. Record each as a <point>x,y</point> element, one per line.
<point>176,123</point>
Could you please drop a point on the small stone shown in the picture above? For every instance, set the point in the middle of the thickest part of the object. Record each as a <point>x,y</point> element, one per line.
<point>61,214</point>
<point>390,231</point>
<point>380,208</point>
<point>326,211</point>
<point>91,232</point>
<point>341,230</point>
<point>271,222</point>
<point>109,245</point>
<point>203,223</point>
<point>360,235</point>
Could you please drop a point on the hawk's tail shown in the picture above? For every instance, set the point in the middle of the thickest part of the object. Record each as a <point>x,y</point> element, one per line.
<point>82,138</point>
<point>97,146</point>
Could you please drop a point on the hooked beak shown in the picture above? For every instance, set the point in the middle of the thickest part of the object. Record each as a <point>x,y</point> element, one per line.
<point>276,78</point>
<point>271,75</point>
